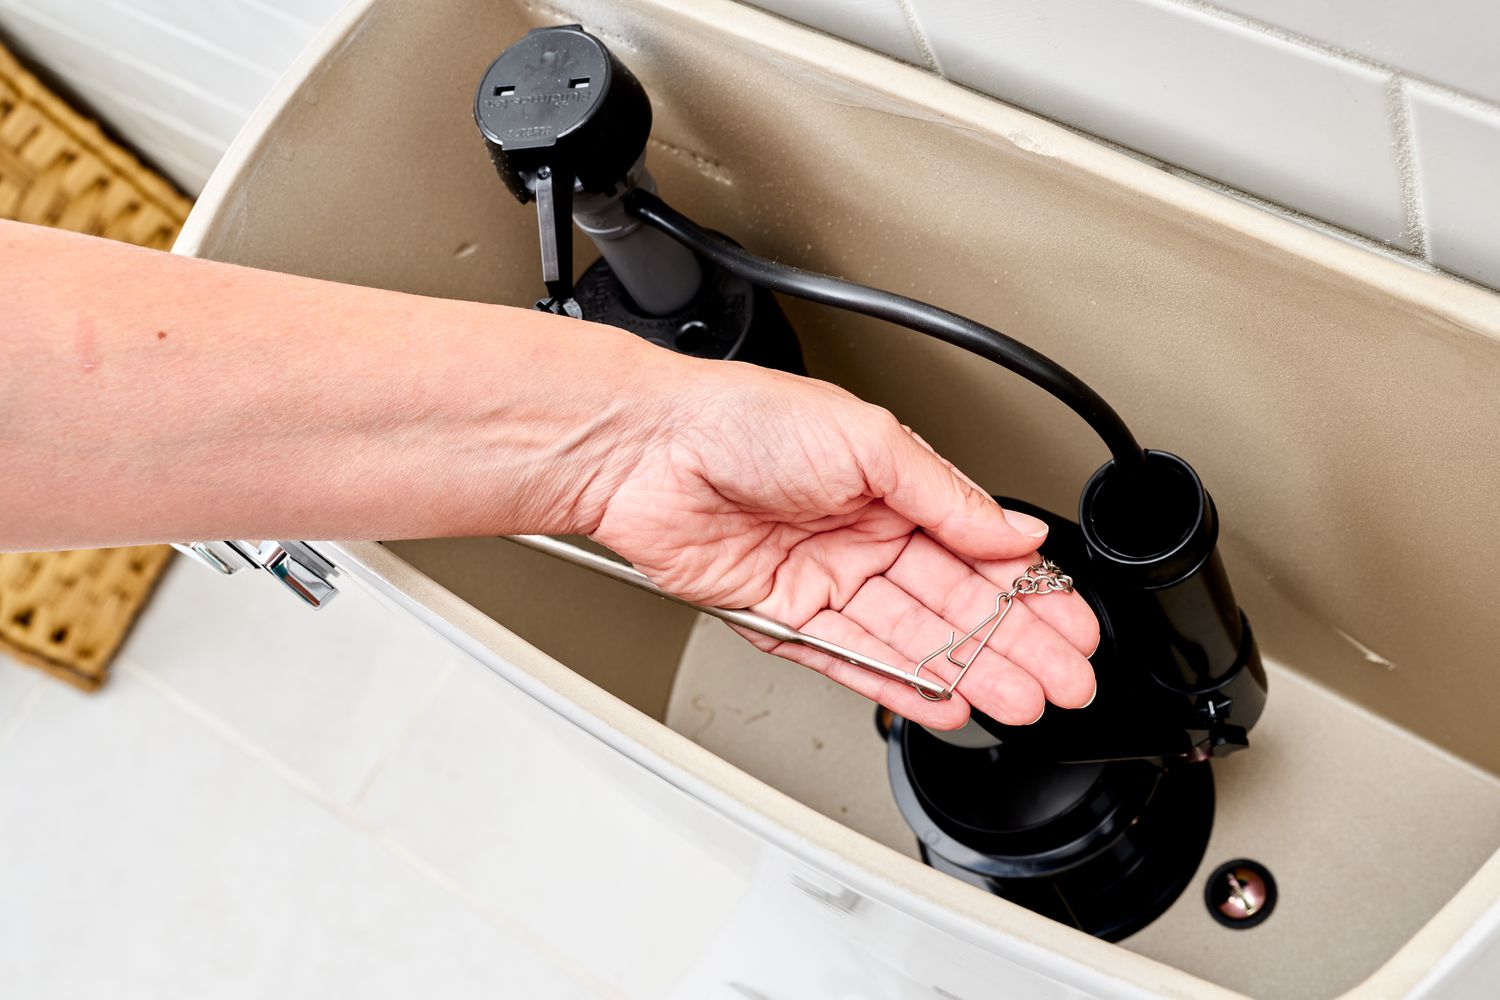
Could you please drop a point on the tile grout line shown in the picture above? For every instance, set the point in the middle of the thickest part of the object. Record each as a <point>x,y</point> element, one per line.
<point>1281,34</point>
<point>212,48</point>
<point>1361,240</point>
<point>1398,105</point>
<point>92,45</point>
<point>1317,225</point>
<point>403,736</point>
<point>919,35</point>
<point>308,788</point>
<point>131,103</point>
<point>229,734</point>
<point>444,880</point>
<point>311,27</point>
<point>1413,214</point>
<point>1367,243</point>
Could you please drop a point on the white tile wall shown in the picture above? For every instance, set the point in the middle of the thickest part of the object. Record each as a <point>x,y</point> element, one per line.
<point>882,25</point>
<point>1288,123</point>
<point>175,78</point>
<point>1458,163</point>
<point>1450,42</point>
<point>1300,103</point>
<point>315,11</point>
<point>1311,105</point>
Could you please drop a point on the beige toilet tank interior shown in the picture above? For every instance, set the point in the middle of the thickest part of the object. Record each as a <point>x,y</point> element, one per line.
<point>1341,407</point>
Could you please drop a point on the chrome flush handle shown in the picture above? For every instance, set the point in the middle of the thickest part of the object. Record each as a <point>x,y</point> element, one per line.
<point>299,567</point>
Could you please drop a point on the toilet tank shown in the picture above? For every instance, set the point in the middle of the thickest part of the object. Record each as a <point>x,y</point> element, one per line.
<point>1340,405</point>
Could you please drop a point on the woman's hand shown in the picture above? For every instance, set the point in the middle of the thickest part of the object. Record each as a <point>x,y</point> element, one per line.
<point>180,382</point>
<point>795,499</point>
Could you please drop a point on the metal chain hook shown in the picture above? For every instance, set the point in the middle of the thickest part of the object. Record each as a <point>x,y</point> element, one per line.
<point>1045,577</point>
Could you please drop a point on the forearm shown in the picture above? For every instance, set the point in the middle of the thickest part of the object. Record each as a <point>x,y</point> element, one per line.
<point>145,397</point>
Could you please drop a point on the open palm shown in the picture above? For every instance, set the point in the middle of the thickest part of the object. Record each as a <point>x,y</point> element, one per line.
<point>795,499</point>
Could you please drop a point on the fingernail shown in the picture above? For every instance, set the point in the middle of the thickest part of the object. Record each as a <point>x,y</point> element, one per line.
<point>1031,527</point>
<point>1092,696</point>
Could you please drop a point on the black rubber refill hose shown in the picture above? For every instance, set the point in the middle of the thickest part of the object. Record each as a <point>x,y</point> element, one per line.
<point>957,330</point>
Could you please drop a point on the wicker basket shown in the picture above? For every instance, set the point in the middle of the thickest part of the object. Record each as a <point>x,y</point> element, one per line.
<point>58,169</point>
<point>68,612</point>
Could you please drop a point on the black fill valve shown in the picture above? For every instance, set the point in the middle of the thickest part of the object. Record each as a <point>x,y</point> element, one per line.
<point>566,124</point>
<point>557,109</point>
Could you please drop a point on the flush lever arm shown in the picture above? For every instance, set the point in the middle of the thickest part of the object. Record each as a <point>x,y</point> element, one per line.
<point>758,623</point>
<point>554,216</point>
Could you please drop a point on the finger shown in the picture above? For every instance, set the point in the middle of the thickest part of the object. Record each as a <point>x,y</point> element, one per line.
<point>951,588</point>
<point>916,483</point>
<point>960,473</point>
<point>995,686</point>
<point>1068,613</point>
<point>893,694</point>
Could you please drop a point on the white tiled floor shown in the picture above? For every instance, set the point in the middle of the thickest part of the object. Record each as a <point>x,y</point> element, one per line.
<point>198,828</point>
<point>281,675</point>
<point>593,860</point>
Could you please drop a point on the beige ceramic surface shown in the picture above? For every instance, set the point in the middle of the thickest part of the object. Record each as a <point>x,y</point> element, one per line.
<point>1366,841</point>
<point>1340,406</point>
<point>544,601</point>
<point>788,727</point>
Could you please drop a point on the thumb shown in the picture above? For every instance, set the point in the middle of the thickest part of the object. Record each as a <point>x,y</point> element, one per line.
<point>923,487</point>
